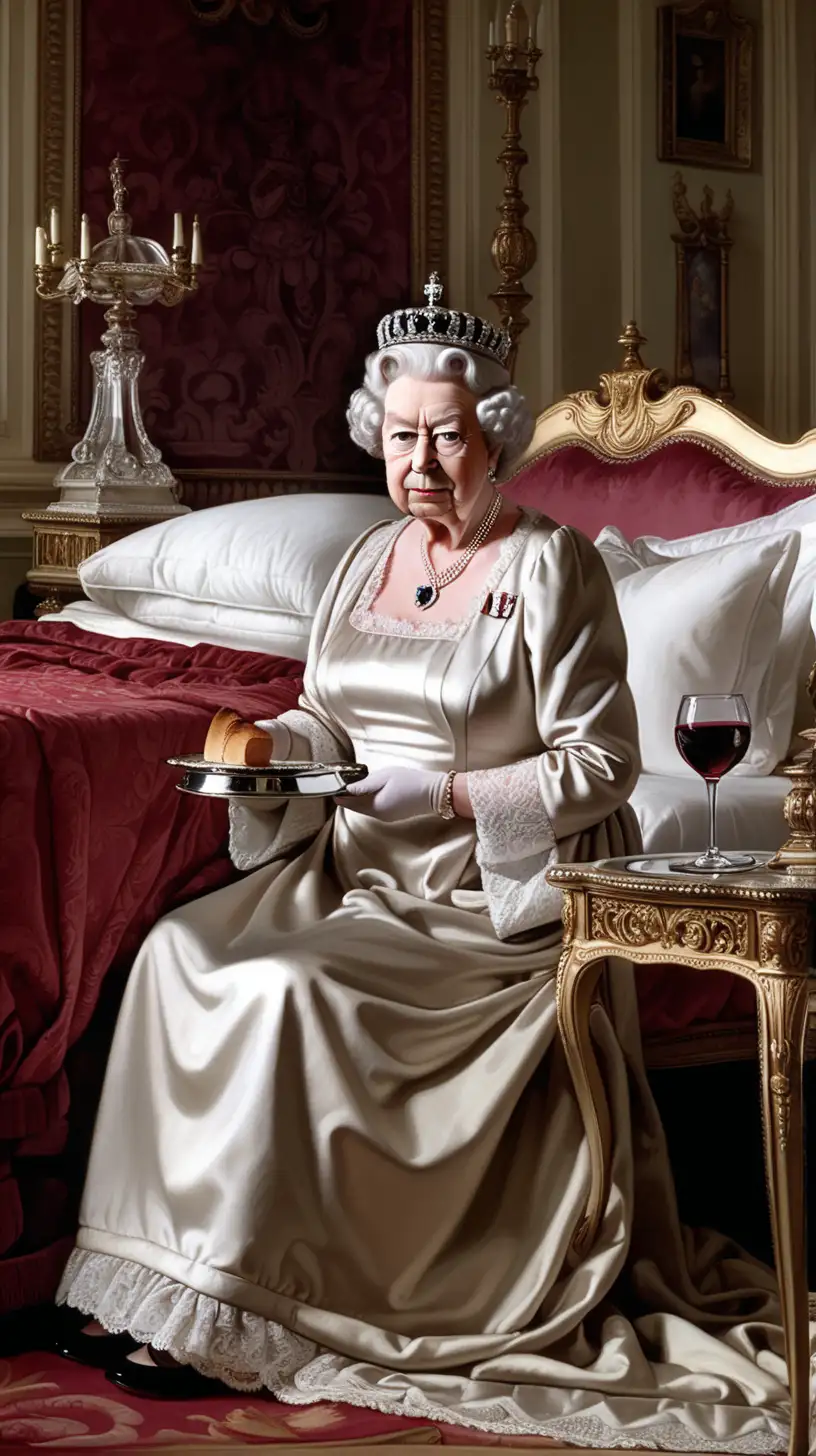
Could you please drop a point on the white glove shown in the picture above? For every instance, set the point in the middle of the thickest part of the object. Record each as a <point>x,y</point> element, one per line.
<point>280,735</point>
<point>391,794</point>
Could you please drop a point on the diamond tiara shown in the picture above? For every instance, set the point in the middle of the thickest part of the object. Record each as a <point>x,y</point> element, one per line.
<point>435,325</point>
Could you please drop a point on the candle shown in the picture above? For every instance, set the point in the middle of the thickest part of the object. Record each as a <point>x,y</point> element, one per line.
<point>41,248</point>
<point>178,231</point>
<point>541,24</point>
<point>85,237</point>
<point>196,254</point>
<point>491,35</point>
<point>54,224</point>
<point>511,28</point>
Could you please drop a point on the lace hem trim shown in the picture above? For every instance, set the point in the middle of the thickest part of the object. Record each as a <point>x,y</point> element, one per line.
<point>249,1353</point>
<point>244,1350</point>
<point>503,1418</point>
<point>364,619</point>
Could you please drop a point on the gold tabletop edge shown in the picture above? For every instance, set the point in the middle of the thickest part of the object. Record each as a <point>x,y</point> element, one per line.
<point>764,885</point>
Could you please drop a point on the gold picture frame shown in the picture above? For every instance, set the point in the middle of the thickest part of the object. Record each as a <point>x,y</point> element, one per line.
<point>705,85</point>
<point>57,425</point>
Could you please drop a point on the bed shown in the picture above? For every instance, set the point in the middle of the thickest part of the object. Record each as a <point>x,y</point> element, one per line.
<point>96,842</point>
<point>215,608</point>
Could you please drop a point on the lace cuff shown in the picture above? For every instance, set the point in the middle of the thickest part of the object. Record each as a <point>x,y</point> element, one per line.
<point>311,738</point>
<point>257,836</point>
<point>516,844</point>
<point>511,821</point>
<point>281,737</point>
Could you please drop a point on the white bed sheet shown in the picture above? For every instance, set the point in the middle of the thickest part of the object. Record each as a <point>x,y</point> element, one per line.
<point>672,810</point>
<point>93,618</point>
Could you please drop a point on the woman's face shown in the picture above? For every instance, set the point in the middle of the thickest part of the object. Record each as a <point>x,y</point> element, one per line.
<point>436,457</point>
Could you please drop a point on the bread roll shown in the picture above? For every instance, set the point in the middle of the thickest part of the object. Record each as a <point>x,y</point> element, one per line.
<point>247,745</point>
<point>230,739</point>
<point>224,720</point>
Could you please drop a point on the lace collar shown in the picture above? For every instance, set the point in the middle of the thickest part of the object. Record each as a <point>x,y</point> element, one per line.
<point>365,619</point>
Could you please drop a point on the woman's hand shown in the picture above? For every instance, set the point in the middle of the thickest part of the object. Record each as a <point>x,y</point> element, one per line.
<point>391,794</point>
<point>280,735</point>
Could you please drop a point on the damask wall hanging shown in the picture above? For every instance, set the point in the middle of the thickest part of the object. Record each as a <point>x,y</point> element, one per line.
<point>305,19</point>
<point>318,173</point>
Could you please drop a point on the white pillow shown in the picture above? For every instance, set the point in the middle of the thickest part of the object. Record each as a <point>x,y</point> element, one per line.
<point>190,624</point>
<point>708,622</point>
<point>796,652</point>
<point>274,555</point>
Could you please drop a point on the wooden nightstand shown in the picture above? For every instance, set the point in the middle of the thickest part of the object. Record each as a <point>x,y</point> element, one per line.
<point>757,925</point>
<point>62,541</point>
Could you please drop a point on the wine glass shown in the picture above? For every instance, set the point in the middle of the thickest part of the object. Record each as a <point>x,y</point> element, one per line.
<point>712,733</point>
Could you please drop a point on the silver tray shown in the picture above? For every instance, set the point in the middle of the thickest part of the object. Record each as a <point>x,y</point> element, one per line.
<point>263,785</point>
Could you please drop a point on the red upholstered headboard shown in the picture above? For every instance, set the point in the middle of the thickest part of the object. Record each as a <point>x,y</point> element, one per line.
<point>679,489</point>
<point>654,460</point>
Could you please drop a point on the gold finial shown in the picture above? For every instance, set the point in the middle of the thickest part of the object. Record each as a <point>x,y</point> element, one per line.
<point>433,290</point>
<point>632,339</point>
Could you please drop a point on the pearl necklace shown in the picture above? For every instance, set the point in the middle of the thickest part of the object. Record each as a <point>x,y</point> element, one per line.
<point>425,596</point>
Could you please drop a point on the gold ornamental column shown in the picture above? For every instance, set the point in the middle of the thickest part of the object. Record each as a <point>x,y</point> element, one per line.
<point>513,60</point>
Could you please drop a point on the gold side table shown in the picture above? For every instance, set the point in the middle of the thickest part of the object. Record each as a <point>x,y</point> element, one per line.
<point>758,926</point>
<point>62,541</point>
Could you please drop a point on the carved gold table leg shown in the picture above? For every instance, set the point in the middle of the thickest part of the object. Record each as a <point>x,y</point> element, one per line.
<point>575,988</point>
<point>759,927</point>
<point>782,1002</point>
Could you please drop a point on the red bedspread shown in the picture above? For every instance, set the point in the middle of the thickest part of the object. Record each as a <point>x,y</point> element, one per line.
<point>96,845</point>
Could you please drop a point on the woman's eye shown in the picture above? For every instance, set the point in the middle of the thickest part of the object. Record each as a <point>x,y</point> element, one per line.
<point>450,437</point>
<point>402,437</point>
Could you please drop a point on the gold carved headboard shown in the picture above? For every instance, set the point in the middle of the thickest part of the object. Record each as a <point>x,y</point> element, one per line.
<point>635,411</point>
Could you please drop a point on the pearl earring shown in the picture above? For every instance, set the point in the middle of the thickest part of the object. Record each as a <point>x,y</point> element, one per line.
<point>491,475</point>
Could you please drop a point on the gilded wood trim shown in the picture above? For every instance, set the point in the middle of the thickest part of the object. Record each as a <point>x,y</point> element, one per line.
<point>56,330</point>
<point>428,192</point>
<point>634,412</point>
<point>56,352</point>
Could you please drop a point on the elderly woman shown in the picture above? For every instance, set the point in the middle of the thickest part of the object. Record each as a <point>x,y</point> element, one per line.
<point>337,1155</point>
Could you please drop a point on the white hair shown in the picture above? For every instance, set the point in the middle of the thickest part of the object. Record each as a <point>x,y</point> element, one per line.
<point>502,411</point>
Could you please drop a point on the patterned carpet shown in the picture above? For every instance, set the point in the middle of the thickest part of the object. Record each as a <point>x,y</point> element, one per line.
<point>50,1404</point>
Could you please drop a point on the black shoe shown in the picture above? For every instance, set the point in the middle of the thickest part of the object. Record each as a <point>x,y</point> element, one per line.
<point>164,1382</point>
<point>100,1351</point>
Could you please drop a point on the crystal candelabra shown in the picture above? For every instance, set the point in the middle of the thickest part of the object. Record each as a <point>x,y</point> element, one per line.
<point>114,468</point>
<point>513,61</point>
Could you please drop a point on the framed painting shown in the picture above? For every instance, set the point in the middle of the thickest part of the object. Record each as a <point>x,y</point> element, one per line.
<point>702,248</point>
<point>309,137</point>
<point>705,85</point>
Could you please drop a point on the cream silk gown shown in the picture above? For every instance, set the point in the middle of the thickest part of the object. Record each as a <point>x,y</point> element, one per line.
<point>337,1153</point>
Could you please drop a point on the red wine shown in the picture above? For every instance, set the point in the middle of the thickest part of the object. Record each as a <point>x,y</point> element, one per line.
<point>712,749</point>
